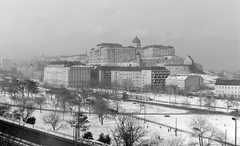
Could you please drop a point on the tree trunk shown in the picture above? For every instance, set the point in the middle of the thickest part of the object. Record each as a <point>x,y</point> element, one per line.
<point>40,108</point>
<point>101,120</point>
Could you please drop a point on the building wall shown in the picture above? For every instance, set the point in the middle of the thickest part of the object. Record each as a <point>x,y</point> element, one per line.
<point>227,90</point>
<point>188,83</point>
<point>146,77</point>
<point>79,76</point>
<point>188,61</point>
<point>193,82</point>
<point>111,56</point>
<point>179,83</point>
<point>6,64</point>
<point>158,52</point>
<point>179,69</point>
<point>56,75</point>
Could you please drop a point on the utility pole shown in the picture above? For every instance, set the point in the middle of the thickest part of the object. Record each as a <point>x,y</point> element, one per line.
<point>235,119</point>
<point>225,137</point>
<point>144,113</point>
<point>176,127</point>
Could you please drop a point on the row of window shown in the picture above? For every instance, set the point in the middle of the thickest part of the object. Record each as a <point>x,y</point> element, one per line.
<point>227,87</point>
<point>228,92</point>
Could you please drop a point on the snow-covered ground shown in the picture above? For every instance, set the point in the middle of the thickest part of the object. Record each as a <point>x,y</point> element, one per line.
<point>222,122</point>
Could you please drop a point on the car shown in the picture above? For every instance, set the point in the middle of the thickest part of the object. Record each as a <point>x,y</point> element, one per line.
<point>134,103</point>
<point>236,111</point>
<point>166,115</point>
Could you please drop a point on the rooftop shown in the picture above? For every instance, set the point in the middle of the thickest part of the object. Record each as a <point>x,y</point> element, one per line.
<point>177,77</point>
<point>110,45</point>
<point>227,82</point>
<point>155,46</point>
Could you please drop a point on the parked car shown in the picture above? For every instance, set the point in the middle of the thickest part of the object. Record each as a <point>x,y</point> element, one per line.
<point>166,115</point>
<point>236,111</point>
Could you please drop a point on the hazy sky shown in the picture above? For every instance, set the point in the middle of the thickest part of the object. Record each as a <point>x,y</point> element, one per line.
<point>207,30</point>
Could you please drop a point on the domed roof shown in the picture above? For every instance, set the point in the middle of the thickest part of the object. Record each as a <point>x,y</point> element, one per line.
<point>136,40</point>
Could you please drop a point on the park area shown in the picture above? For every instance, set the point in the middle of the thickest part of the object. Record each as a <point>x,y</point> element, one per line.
<point>159,121</point>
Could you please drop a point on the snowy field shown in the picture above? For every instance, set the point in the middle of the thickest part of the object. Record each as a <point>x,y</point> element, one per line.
<point>221,122</point>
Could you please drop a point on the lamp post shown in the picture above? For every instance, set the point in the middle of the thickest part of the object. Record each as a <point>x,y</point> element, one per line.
<point>176,127</point>
<point>199,135</point>
<point>235,119</point>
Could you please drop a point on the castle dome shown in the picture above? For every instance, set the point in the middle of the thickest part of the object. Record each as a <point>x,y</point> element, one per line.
<point>136,40</point>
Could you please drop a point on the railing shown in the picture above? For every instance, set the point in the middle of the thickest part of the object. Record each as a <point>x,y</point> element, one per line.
<point>21,123</point>
<point>59,134</point>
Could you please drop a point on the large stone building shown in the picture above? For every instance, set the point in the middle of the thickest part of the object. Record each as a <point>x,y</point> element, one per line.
<point>155,51</point>
<point>111,54</point>
<point>186,83</point>
<point>227,88</point>
<point>70,76</point>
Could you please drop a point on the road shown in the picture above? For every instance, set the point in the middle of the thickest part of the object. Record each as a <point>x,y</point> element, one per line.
<point>36,136</point>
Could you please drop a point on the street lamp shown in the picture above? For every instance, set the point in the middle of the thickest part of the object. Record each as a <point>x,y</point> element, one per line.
<point>199,135</point>
<point>235,119</point>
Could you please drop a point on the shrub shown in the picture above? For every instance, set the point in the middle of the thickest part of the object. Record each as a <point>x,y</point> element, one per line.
<point>31,120</point>
<point>88,135</point>
<point>104,138</point>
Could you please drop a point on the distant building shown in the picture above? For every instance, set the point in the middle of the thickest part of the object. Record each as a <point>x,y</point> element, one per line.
<point>111,54</point>
<point>57,73</point>
<point>31,72</point>
<point>138,77</point>
<point>114,54</point>
<point>187,83</point>
<point>227,88</point>
<point>79,76</point>
<point>176,69</point>
<point>67,75</point>
<point>80,57</point>
<point>153,51</point>
<point>6,64</point>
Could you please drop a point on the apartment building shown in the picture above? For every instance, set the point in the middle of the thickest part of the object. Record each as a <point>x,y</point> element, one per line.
<point>227,88</point>
<point>57,73</point>
<point>67,75</point>
<point>79,76</point>
<point>6,64</point>
<point>140,77</point>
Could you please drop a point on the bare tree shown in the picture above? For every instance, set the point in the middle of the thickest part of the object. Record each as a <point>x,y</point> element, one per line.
<point>41,100</point>
<point>4,109</point>
<point>4,84</point>
<point>62,96</point>
<point>31,87</point>
<point>80,122</point>
<point>127,85</point>
<point>206,133</point>
<point>53,119</point>
<point>129,130</point>
<point>26,108</point>
<point>209,102</point>
<point>100,107</point>
<point>115,86</point>
<point>71,102</point>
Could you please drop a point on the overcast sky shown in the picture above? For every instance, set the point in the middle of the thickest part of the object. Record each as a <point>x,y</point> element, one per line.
<point>207,30</point>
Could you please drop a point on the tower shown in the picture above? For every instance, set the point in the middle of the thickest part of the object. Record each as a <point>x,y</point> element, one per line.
<point>136,43</point>
<point>138,58</point>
